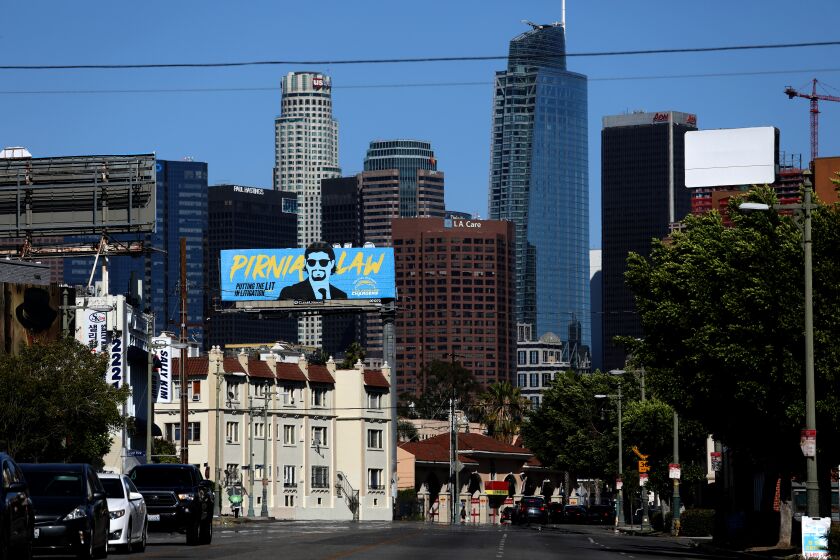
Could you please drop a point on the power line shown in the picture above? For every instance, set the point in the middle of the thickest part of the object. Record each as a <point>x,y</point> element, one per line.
<point>406,60</point>
<point>274,89</point>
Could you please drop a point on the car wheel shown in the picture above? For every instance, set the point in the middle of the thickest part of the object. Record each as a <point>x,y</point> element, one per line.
<point>141,546</point>
<point>193,533</point>
<point>206,531</point>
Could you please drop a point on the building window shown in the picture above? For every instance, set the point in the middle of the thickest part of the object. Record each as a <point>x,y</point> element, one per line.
<point>232,392</point>
<point>520,358</point>
<point>374,400</point>
<point>375,479</point>
<point>173,432</point>
<point>522,380</point>
<point>535,356</point>
<point>287,394</point>
<point>546,379</point>
<point>232,432</point>
<point>320,477</point>
<point>319,397</point>
<point>193,389</point>
<point>289,478</point>
<point>374,439</point>
<point>319,436</point>
<point>288,434</point>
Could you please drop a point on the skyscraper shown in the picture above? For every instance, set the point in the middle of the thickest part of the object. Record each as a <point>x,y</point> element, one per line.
<point>455,280</point>
<point>642,193</point>
<point>181,212</point>
<point>306,147</point>
<point>400,180</point>
<point>306,151</point>
<point>246,218</point>
<point>539,181</point>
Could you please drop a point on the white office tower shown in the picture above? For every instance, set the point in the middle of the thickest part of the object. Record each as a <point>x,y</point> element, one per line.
<point>306,151</point>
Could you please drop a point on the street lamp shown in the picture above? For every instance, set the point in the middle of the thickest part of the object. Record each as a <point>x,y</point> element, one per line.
<point>619,501</point>
<point>805,208</point>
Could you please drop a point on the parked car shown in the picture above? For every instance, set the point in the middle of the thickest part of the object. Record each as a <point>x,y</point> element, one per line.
<point>555,512</point>
<point>177,499</point>
<point>574,514</point>
<point>17,516</point>
<point>602,514</point>
<point>71,510</point>
<point>507,516</point>
<point>127,509</point>
<point>531,509</point>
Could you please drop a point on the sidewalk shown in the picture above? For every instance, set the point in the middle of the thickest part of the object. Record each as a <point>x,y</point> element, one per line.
<point>231,521</point>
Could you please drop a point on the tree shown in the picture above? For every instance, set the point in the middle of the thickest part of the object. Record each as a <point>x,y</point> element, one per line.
<point>566,432</point>
<point>406,431</point>
<point>56,403</point>
<point>354,353</point>
<point>443,380</point>
<point>503,408</point>
<point>164,451</point>
<point>722,312</point>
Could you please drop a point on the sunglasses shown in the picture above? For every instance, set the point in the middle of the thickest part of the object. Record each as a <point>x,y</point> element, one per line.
<point>322,262</point>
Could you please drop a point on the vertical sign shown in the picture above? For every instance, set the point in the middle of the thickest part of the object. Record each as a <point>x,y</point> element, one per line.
<point>93,330</point>
<point>815,536</point>
<point>116,368</point>
<point>164,355</point>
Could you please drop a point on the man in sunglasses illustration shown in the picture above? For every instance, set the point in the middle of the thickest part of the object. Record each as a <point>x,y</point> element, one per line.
<point>320,264</point>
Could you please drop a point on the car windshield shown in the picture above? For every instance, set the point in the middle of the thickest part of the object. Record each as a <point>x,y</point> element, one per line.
<point>55,483</point>
<point>160,478</point>
<point>113,487</point>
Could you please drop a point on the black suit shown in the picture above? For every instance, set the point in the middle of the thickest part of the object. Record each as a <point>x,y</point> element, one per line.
<point>302,291</point>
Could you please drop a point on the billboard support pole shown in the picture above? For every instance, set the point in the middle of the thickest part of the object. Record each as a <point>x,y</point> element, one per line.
<point>389,351</point>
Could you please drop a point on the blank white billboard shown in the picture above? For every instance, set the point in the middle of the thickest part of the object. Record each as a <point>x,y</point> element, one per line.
<point>731,156</point>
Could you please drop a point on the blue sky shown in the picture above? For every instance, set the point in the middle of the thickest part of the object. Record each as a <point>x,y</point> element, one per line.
<point>233,131</point>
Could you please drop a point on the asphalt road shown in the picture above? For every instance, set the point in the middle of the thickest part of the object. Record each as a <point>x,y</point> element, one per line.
<point>409,541</point>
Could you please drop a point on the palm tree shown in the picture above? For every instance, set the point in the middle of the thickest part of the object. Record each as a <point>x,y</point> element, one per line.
<point>503,407</point>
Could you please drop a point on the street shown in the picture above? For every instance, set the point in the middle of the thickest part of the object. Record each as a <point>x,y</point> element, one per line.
<point>410,540</point>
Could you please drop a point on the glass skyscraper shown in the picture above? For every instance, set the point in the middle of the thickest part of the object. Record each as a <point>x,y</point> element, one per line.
<point>181,212</point>
<point>539,180</point>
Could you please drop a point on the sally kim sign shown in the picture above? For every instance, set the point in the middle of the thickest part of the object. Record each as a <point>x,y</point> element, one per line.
<point>319,274</point>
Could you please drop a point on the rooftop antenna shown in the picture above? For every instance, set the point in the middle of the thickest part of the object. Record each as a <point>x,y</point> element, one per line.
<point>562,22</point>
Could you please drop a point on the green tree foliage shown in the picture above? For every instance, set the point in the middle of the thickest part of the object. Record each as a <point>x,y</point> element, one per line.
<point>502,408</point>
<point>164,451</point>
<point>567,432</point>
<point>354,353</point>
<point>56,405</point>
<point>722,312</point>
<point>406,431</point>
<point>442,380</point>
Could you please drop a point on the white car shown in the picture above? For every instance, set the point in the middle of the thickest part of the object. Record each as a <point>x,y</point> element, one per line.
<point>129,525</point>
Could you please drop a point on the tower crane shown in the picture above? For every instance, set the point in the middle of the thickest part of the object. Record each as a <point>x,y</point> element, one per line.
<point>815,98</point>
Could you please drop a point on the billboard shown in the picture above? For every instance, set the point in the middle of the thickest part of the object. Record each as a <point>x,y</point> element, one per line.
<point>77,195</point>
<point>321,275</point>
<point>733,156</point>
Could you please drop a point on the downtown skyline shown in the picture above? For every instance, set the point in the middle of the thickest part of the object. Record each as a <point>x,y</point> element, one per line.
<point>224,116</point>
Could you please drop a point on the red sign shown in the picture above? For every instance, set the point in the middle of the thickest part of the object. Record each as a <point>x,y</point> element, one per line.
<point>661,117</point>
<point>317,82</point>
<point>643,478</point>
<point>691,120</point>
<point>496,488</point>
<point>717,460</point>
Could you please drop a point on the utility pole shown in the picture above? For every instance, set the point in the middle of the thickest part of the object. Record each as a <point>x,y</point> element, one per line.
<point>264,508</point>
<point>675,516</point>
<point>150,411</point>
<point>219,439</point>
<point>250,456</point>
<point>453,458</point>
<point>185,452</point>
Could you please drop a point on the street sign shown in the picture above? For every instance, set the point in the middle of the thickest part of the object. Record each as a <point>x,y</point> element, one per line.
<point>644,467</point>
<point>808,443</point>
<point>717,460</point>
<point>674,470</point>
<point>619,484</point>
<point>643,479</point>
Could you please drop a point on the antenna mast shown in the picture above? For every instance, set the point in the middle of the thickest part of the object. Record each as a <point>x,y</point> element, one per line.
<point>563,14</point>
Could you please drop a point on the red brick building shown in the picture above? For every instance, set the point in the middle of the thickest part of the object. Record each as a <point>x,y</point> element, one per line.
<point>455,282</point>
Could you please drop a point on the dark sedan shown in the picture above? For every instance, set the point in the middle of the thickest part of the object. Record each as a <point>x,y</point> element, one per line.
<point>71,509</point>
<point>601,514</point>
<point>17,517</point>
<point>530,509</point>
<point>574,514</point>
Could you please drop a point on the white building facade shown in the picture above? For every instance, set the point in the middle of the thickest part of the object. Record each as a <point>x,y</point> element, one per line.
<point>537,362</point>
<point>308,441</point>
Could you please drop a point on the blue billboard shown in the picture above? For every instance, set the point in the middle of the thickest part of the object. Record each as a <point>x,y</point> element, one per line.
<point>320,272</point>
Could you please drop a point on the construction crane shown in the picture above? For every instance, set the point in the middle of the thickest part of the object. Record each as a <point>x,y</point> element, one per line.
<point>815,112</point>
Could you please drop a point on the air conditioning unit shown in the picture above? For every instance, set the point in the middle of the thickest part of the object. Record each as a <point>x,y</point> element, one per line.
<point>196,398</point>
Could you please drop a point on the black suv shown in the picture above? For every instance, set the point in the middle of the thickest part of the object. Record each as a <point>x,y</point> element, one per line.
<point>530,508</point>
<point>177,499</point>
<point>17,518</point>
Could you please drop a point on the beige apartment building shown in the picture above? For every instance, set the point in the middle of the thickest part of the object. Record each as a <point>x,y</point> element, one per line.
<point>308,441</point>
